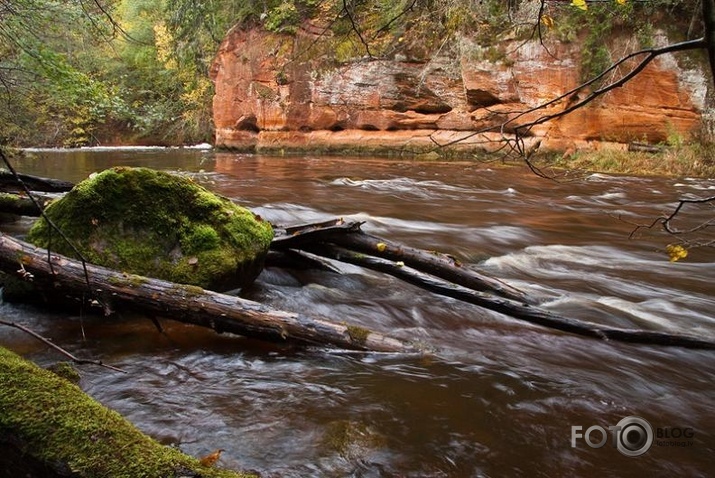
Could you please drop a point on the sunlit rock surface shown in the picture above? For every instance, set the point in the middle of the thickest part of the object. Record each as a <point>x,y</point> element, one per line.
<point>271,96</point>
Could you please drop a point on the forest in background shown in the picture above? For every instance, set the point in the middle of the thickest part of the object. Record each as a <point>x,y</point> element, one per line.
<point>88,72</point>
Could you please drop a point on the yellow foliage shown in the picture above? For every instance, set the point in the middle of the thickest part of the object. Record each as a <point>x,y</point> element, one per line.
<point>162,39</point>
<point>547,21</point>
<point>621,2</point>
<point>580,4</point>
<point>676,252</point>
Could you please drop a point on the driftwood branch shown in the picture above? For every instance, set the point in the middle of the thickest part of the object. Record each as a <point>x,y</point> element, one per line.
<point>444,275</point>
<point>188,304</point>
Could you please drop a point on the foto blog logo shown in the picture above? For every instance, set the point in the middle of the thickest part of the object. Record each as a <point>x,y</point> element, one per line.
<point>632,436</point>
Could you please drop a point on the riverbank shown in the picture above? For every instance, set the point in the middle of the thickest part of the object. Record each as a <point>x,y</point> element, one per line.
<point>679,159</point>
<point>682,160</point>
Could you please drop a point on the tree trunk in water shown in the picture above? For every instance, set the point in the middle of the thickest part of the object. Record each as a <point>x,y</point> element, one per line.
<point>184,303</point>
<point>436,263</point>
<point>511,308</point>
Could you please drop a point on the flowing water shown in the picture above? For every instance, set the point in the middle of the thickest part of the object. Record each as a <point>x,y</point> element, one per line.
<point>498,397</point>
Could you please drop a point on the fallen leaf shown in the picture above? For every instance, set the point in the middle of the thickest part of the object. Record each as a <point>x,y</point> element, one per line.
<point>211,458</point>
<point>676,252</point>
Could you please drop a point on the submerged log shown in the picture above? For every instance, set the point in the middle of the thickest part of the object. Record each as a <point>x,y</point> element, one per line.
<point>188,304</point>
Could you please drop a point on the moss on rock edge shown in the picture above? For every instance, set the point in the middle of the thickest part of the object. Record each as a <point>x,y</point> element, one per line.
<point>160,225</point>
<point>61,431</point>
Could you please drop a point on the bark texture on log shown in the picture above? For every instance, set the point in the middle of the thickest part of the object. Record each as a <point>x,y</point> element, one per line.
<point>188,304</point>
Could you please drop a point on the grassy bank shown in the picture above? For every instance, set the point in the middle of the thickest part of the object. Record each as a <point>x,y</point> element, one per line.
<point>684,160</point>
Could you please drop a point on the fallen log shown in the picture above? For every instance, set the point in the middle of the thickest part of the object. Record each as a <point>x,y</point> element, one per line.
<point>184,303</point>
<point>350,236</point>
<point>517,310</point>
<point>22,205</point>
<point>9,183</point>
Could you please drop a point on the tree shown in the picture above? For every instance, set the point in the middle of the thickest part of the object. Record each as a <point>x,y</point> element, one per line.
<point>92,71</point>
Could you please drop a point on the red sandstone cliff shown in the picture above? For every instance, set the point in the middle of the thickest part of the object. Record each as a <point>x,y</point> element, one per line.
<point>271,96</point>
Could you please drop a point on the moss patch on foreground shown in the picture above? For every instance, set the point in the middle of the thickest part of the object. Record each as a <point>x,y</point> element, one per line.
<point>160,225</point>
<point>60,430</point>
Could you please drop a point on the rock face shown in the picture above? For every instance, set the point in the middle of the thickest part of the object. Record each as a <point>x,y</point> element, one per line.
<point>160,225</point>
<point>270,96</point>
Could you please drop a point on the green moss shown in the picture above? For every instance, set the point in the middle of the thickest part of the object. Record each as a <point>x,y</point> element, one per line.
<point>127,280</point>
<point>160,225</point>
<point>188,290</point>
<point>65,370</point>
<point>358,334</point>
<point>200,237</point>
<point>54,422</point>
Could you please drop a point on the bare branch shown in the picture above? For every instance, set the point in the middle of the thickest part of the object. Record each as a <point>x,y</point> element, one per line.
<point>58,348</point>
<point>355,28</point>
<point>666,222</point>
<point>650,55</point>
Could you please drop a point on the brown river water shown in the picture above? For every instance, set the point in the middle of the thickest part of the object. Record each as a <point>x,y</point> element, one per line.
<point>498,397</point>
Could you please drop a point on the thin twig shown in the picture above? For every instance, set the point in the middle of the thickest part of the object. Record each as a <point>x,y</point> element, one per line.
<point>60,349</point>
<point>666,221</point>
<point>356,29</point>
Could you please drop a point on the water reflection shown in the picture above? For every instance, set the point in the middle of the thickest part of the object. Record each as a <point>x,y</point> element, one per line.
<point>500,396</point>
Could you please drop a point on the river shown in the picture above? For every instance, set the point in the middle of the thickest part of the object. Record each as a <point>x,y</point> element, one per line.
<point>499,397</point>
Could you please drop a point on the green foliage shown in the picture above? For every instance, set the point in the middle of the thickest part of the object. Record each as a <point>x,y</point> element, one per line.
<point>136,71</point>
<point>591,23</point>
<point>282,19</point>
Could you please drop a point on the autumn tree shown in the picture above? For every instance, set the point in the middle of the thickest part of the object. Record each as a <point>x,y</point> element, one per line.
<point>96,71</point>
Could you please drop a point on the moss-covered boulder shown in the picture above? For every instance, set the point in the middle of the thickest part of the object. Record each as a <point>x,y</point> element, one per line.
<point>157,224</point>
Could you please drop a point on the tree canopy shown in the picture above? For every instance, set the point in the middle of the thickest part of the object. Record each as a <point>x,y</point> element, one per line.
<point>78,72</point>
